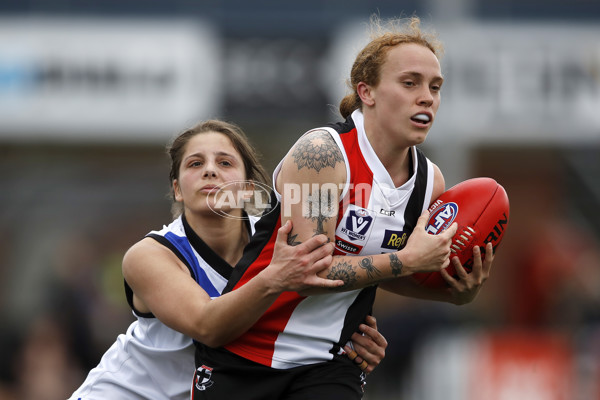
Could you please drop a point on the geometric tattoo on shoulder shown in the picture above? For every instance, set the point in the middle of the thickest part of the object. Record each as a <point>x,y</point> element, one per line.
<point>344,272</point>
<point>396,264</point>
<point>317,152</point>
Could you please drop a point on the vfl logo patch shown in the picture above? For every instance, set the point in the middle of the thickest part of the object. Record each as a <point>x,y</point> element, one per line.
<point>357,224</point>
<point>394,240</point>
<point>442,218</point>
<point>202,378</point>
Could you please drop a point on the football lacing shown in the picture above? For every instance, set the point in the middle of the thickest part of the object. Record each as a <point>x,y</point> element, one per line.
<point>466,235</point>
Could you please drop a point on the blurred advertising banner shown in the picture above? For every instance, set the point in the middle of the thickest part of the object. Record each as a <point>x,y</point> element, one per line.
<point>106,79</point>
<point>515,365</point>
<point>505,364</point>
<point>520,83</point>
<point>144,79</point>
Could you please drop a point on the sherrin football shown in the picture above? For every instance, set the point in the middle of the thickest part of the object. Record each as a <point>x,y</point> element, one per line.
<point>480,208</point>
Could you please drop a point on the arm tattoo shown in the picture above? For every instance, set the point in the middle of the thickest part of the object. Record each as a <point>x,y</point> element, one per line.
<point>318,207</point>
<point>344,272</point>
<point>317,151</point>
<point>396,264</point>
<point>367,264</point>
<point>291,240</point>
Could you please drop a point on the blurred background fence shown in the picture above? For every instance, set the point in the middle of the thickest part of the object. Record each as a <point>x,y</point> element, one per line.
<point>91,92</point>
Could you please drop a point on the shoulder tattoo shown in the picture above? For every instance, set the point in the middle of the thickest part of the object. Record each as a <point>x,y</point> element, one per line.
<point>317,151</point>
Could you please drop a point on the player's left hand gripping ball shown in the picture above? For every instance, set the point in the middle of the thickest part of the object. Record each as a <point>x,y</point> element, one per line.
<point>480,207</point>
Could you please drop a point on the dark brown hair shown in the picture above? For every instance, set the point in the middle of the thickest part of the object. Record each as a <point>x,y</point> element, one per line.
<point>254,170</point>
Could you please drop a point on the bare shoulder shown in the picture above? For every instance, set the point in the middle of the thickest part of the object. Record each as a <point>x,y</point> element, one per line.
<point>316,150</point>
<point>439,184</point>
<point>145,254</point>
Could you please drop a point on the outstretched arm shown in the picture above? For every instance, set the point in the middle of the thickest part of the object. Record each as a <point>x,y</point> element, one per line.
<point>162,285</point>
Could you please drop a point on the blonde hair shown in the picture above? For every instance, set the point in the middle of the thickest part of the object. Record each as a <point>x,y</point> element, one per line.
<point>368,62</point>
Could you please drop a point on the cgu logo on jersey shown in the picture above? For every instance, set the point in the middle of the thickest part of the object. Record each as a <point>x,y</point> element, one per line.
<point>202,377</point>
<point>394,240</point>
<point>358,221</point>
<point>441,218</point>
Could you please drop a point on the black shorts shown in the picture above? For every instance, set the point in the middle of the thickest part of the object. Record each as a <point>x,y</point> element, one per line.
<point>221,375</point>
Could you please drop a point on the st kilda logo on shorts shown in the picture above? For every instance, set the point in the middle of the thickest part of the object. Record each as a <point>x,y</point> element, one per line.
<point>202,377</point>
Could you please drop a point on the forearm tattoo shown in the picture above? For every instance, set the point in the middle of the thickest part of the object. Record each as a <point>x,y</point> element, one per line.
<point>396,264</point>
<point>344,272</point>
<point>317,152</point>
<point>367,264</point>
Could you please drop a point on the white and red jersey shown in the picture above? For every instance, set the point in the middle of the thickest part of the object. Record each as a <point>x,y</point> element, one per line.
<point>375,217</point>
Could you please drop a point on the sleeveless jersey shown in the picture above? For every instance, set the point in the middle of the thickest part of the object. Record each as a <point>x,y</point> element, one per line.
<point>152,361</point>
<point>374,217</point>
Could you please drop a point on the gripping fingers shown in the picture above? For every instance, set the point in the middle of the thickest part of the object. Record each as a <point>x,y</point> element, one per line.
<point>353,355</point>
<point>326,283</point>
<point>451,231</point>
<point>460,270</point>
<point>370,329</point>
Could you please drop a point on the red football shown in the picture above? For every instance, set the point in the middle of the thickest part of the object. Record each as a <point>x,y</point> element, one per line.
<point>480,208</point>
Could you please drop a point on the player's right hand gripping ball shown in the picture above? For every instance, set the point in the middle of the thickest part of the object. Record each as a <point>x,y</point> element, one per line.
<point>480,208</point>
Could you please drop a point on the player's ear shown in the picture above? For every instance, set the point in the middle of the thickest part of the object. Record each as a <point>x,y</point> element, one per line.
<point>177,191</point>
<point>365,93</point>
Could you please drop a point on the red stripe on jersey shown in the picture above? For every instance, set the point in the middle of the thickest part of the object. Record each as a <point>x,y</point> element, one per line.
<point>258,344</point>
<point>262,261</point>
<point>361,175</point>
<point>361,178</point>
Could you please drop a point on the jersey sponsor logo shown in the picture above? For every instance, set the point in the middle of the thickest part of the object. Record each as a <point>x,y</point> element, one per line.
<point>347,247</point>
<point>358,222</point>
<point>442,218</point>
<point>389,213</point>
<point>394,240</point>
<point>202,377</point>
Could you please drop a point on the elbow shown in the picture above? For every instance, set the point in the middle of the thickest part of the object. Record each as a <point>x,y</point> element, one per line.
<point>210,338</point>
<point>213,342</point>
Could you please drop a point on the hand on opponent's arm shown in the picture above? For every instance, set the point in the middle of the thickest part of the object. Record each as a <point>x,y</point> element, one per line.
<point>163,286</point>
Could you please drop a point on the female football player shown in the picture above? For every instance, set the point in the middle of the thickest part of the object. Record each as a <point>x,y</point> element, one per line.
<point>365,185</point>
<point>174,276</point>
